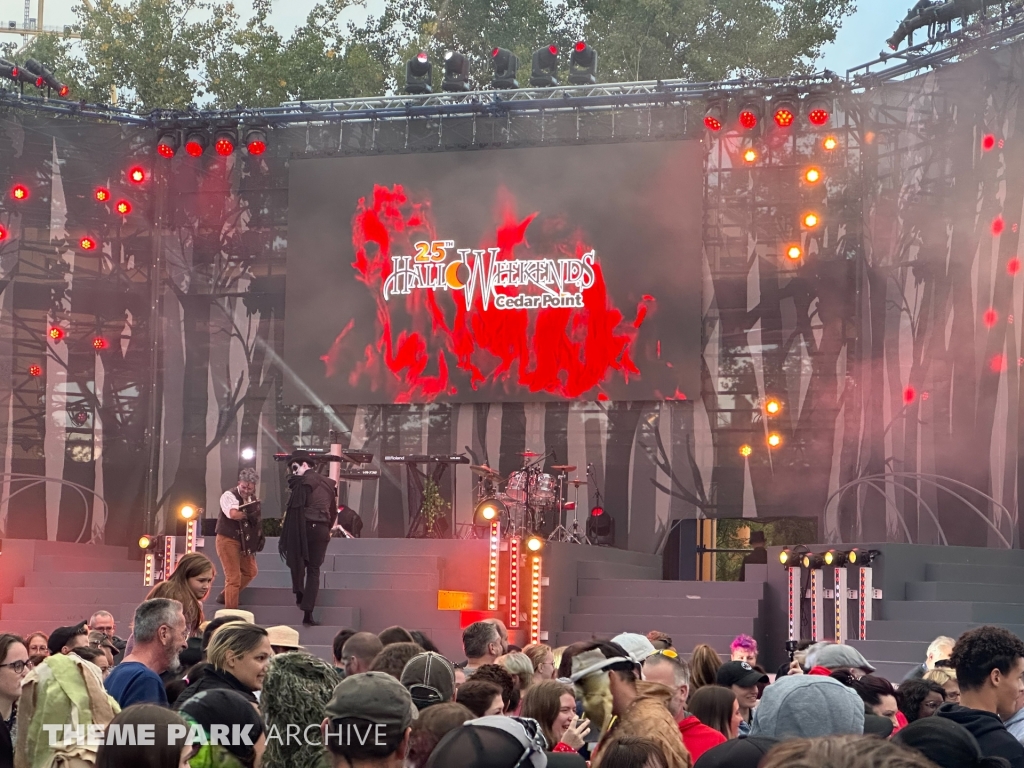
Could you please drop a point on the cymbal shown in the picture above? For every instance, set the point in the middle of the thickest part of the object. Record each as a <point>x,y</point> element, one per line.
<point>483,470</point>
<point>563,468</point>
<point>577,482</point>
<point>528,454</point>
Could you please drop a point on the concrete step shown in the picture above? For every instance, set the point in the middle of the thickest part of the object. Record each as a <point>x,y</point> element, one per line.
<point>892,650</point>
<point>984,613</point>
<point>72,549</point>
<point>390,581</point>
<point>683,643</point>
<point>610,624</point>
<point>85,597</point>
<point>350,563</point>
<point>671,606</point>
<point>927,630</point>
<point>59,564</point>
<point>83,579</point>
<point>66,614</point>
<point>688,590</point>
<point>593,570</point>
<point>974,573</point>
<point>967,592</point>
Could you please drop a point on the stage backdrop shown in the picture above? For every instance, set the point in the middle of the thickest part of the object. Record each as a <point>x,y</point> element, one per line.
<point>550,273</point>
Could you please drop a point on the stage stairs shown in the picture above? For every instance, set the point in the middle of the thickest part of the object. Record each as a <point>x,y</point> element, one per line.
<point>933,591</point>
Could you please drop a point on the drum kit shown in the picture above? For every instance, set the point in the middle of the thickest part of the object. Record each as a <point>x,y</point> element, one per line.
<point>533,498</point>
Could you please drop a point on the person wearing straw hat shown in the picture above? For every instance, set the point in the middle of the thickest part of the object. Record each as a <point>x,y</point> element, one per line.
<point>283,639</point>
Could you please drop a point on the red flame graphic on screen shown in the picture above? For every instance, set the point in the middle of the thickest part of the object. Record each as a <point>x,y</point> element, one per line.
<point>560,351</point>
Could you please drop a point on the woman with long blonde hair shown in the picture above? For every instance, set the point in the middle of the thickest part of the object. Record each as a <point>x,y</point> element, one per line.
<point>704,666</point>
<point>189,585</point>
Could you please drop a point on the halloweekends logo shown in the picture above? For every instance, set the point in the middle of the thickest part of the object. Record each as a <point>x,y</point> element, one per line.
<point>561,282</point>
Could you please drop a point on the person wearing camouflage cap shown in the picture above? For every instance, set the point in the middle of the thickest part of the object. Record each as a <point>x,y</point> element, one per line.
<point>239,536</point>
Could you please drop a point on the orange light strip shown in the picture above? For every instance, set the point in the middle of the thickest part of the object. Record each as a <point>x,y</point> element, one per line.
<point>513,582</point>
<point>191,535</point>
<point>535,579</point>
<point>492,566</point>
<point>170,561</point>
<point>149,575</point>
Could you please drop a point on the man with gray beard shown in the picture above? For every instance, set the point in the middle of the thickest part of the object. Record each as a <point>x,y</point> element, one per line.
<point>160,635</point>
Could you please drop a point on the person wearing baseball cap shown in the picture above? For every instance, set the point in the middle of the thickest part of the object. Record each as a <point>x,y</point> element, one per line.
<point>637,646</point>
<point>368,722</point>
<point>743,680</point>
<point>826,658</point>
<point>430,679</point>
<point>65,639</point>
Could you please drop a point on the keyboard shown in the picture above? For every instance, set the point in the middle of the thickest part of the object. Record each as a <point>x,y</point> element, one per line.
<point>419,458</point>
<point>359,474</point>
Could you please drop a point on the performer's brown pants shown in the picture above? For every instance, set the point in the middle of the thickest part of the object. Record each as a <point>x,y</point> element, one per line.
<point>239,570</point>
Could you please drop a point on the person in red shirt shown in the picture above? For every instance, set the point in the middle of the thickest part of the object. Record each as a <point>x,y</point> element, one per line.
<point>669,669</point>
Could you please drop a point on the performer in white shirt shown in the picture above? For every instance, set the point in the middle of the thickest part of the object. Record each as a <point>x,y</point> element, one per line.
<point>239,536</point>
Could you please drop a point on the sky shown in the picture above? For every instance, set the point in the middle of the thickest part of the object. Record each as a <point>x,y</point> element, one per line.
<point>860,39</point>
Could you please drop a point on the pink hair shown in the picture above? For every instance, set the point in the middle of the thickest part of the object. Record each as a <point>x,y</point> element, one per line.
<point>746,642</point>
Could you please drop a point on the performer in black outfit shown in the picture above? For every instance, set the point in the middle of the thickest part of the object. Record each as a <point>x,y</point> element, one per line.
<point>311,514</point>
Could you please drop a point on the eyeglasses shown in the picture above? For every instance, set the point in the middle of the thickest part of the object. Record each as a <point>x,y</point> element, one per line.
<point>668,653</point>
<point>18,666</point>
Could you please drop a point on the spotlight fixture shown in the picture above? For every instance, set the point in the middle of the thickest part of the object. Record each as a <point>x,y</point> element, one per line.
<point>99,343</point>
<point>750,156</point>
<point>601,528</point>
<point>456,73</point>
<point>829,143</point>
<point>489,510</point>
<point>811,560</point>
<point>35,370</point>
<point>419,74</point>
<point>811,220</point>
<point>146,541</point>
<point>819,109</point>
<point>3,233</point>
<point>774,440</point>
<point>773,406</point>
<point>784,108</point>
<point>56,333</point>
<point>535,544</point>
<point>751,111</point>
<point>256,141</point>
<point>837,558</point>
<point>19,192</point>
<point>861,557</point>
<point>187,512</point>
<point>785,556</point>
<point>168,143</point>
<point>224,141</point>
<point>137,175</point>
<point>715,116</point>
<point>196,143</point>
<point>46,76</point>
<point>22,75</point>
<point>123,207</point>
<point>102,194</point>
<point>582,64</point>
<point>87,243</point>
<point>794,252</point>
<point>248,454</point>
<point>745,450</point>
<point>505,66</point>
<point>544,68</point>
<point>8,69</point>
<point>812,175</point>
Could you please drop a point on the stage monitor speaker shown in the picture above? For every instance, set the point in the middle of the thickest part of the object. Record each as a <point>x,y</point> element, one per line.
<point>679,560</point>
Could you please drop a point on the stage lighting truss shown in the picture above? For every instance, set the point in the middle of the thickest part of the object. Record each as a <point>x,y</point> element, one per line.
<point>419,74</point>
<point>505,69</point>
<point>544,67</point>
<point>582,64</point>
<point>456,73</point>
<point>514,561</point>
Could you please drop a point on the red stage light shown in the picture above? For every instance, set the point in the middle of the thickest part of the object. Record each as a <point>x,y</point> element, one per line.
<point>712,123</point>
<point>137,175</point>
<point>909,395</point>
<point>87,243</point>
<point>102,194</point>
<point>422,57</point>
<point>998,225</point>
<point>35,370</point>
<point>99,343</point>
<point>224,146</point>
<point>3,233</point>
<point>990,318</point>
<point>56,333</point>
<point>123,207</point>
<point>818,116</point>
<point>784,117</point>
<point>748,119</point>
<point>19,192</point>
<point>64,91</point>
<point>194,148</point>
<point>1013,266</point>
<point>997,364</point>
<point>165,150</point>
<point>553,50</point>
<point>581,46</point>
<point>988,142</point>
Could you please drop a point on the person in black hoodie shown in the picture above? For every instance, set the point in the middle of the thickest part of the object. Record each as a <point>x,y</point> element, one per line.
<point>989,663</point>
<point>238,658</point>
<point>306,530</point>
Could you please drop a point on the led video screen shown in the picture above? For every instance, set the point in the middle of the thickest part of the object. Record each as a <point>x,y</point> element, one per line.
<point>502,275</point>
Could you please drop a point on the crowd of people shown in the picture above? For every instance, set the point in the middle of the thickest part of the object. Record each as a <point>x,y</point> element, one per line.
<point>227,693</point>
